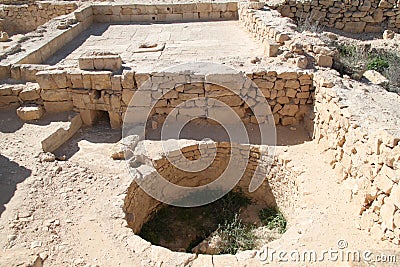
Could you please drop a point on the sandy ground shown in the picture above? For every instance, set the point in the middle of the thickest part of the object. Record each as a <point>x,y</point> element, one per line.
<point>70,211</point>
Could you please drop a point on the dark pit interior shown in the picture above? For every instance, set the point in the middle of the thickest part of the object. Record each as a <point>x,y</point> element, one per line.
<point>231,224</point>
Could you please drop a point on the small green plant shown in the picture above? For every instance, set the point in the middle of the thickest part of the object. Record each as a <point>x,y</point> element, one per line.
<point>378,63</point>
<point>273,218</point>
<point>164,225</point>
<point>351,60</point>
<point>346,50</point>
<point>392,73</point>
<point>235,236</point>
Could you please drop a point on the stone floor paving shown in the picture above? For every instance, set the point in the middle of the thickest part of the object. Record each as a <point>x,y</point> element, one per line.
<point>218,41</point>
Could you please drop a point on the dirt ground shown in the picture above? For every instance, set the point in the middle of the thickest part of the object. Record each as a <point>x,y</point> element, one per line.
<point>70,211</point>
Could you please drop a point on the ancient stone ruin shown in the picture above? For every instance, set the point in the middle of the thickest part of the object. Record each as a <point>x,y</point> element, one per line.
<point>296,98</point>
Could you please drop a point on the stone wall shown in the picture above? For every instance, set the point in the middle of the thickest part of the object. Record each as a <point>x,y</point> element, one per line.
<point>350,16</point>
<point>278,34</point>
<point>13,95</point>
<point>26,18</point>
<point>361,142</point>
<point>289,94</point>
<point>28,55</point>
<point>164,12</point>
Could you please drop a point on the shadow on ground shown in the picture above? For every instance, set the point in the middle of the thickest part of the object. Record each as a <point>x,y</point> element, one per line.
<point>11,174</point>
<point>285,136</point>
<point>10,122</point>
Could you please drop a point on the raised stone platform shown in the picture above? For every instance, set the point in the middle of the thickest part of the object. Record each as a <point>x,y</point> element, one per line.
<point>174,43</point>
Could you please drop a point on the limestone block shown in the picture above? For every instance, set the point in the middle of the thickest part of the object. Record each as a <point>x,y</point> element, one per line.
<point>100,60</point>
<point>45,80</point>
<point>209,87</point>
<point>86,63</point>
<point>115,102</point>
<point>28,113</point>
<point>30,92</point>
<point>54,79</point>
<point>279,84</point>
<point>203,7</point>
<point>170,17</point>
<point>303,95</point>
<point>144,18</point>
<point>283,100</point>
<point>301,62</point>
<point>223,115</point>
<point>127,80</point>
<point>228,15</point>
<point>55,95</point>
<point>215,94</point>
<point>86,80</point>
<point>192,112</point>
<point>58,106</point>
<point>231,100</point>
<point>4,71</point>
<point>287,75</point>
<point>100,80</point>
<point>375,77</point>
<point>61,135</point>
<point>141,98</point>
<point>291,93</point>
<point>78,100</point>
<point>285,121</point>
<point>127,11</point>
<point>76,79</point>
<point>127,96</point>
<point>116,82</point>
<point>294,84</point>
<point>115,120</point>
<point>263,84</point>
<point>194,88</point>
<point>378,15</point>
<point>190,16</point>
<point>324,61</point>
<point>271,48</point>
<point>289,110</point>
<point>8,99</point>
<point>17,88</point>
<point>282,37</point>
<point>354,27</point>
<point>15,72</point>
<point>373,28</point>
<point>28,71</point>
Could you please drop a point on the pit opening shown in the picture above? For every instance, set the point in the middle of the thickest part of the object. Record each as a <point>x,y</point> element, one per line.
<point>231,224</point>
<point>239,220</point>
